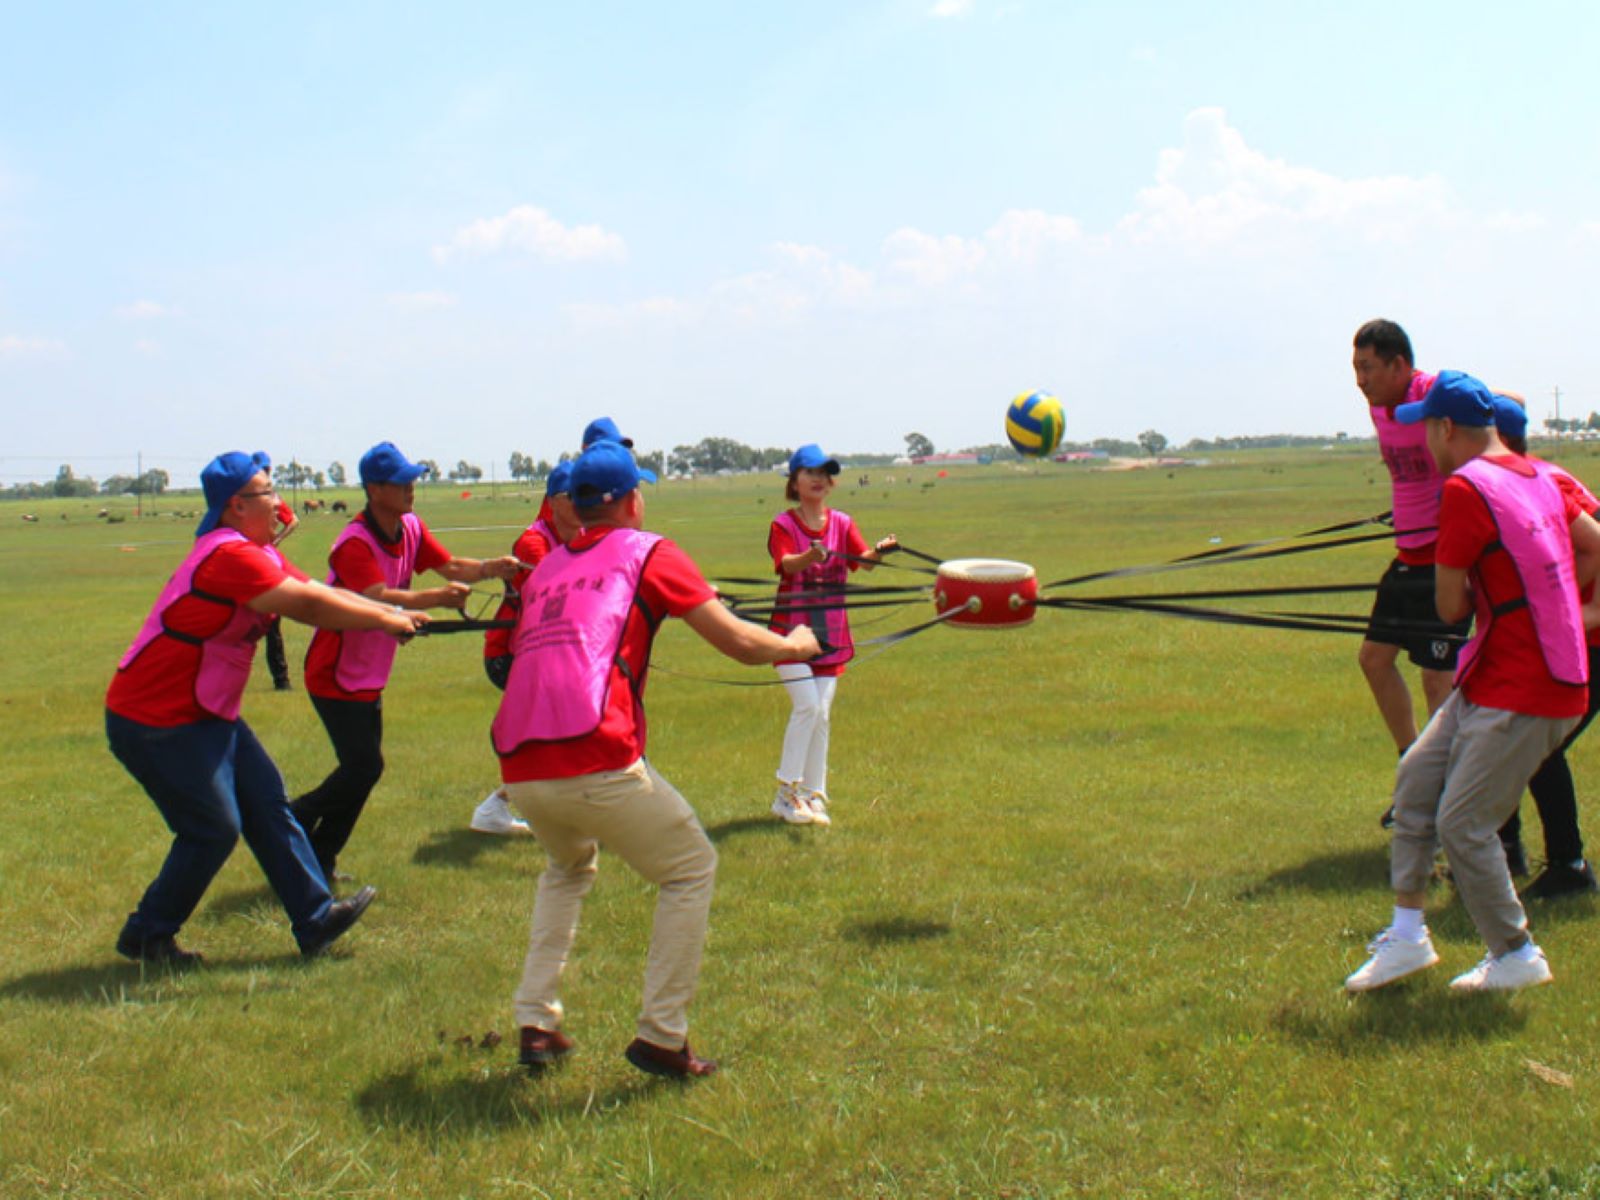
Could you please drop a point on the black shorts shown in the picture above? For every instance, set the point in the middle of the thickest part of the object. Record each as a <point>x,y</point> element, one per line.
<point>1404,614</point>
<point>498,669</point>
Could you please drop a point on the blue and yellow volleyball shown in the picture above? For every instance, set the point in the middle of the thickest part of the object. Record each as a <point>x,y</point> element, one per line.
<point>1035,423</point>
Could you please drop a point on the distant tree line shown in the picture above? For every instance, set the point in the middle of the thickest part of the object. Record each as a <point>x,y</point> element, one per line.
<point>1573,424</point>
<point>67,484</point>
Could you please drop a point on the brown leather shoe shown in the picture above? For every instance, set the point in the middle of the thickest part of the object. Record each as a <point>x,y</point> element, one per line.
<point>543,1048</point>
<point>672,1064</point>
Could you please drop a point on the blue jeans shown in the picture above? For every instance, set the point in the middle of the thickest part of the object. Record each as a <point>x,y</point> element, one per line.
<point>212,781</point>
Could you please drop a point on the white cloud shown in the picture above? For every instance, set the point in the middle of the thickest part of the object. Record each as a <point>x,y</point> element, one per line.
<point>532,231</point>
<point>147,347</point>
<point>15,346</point>
<point>950,8</point>
<point>422,301</point>
<point>1214,187</point>
<point>1229,272</point>
<point>145,310</point>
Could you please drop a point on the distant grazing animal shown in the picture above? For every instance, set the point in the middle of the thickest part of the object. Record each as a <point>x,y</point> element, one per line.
<point>340,506</point>
<point>30,517</point>
<point>103,513</point>
<point>311,506</point>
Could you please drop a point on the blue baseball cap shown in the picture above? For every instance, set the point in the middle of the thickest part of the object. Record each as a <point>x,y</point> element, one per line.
<point>385,464</point>
<point>811,458</point>
<point>1510,418</point>
<point>606,472</point>
<point>1456,395</point>
<point>559,481</point>
<point>223,478</point>
<point>604,429</point>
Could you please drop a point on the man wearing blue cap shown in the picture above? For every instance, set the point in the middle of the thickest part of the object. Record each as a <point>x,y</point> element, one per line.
<point>571,738</point>
<point>556,525</point>
<point>172,716</point>
<point>375,555</point>
<point>1513,550</point>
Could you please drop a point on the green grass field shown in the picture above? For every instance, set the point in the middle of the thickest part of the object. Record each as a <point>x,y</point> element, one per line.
<point>1080,926</point>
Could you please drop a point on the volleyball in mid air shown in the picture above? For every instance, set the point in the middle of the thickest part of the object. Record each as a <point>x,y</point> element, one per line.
<point>1035,423</point>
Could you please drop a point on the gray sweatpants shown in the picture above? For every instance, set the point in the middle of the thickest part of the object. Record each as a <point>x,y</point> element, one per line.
<point>1456,786</point>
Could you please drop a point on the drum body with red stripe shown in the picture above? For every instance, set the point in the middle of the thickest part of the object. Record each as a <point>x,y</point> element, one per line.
<point>994,592</point>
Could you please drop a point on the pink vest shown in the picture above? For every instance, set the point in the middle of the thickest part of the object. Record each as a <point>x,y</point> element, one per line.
<point>1415,479</point>
<point>226,655</point>
<point>1531,518</point>
<point>831,624</point>
<point>367,655</point>
<point>575,608</point>
<point>1591,504</point>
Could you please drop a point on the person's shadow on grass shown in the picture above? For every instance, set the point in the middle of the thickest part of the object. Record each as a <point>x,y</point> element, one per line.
<point>463,847</point>
<point>767,825</point>
<point>466,1104</point>
<point>1406,1014</point>
<point>888,930</point>
<point>1364,869</point>
<point>117,981</point>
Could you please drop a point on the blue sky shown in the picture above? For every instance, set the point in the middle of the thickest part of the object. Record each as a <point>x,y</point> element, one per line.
<point>468,229</point>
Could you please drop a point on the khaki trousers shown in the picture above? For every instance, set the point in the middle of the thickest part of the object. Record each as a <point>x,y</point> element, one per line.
<point>1458,783</point>
<point>642,819</point>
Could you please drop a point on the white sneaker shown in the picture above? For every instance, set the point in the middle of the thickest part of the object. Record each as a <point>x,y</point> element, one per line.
<point>791,806</point>
<point>1504,973</point>
<point>817,804</point>
<point>1392,958</point>
<point>494,816</point>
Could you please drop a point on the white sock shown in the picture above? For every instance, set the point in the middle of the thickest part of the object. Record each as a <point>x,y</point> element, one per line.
<point>1407,924</point>
<point>1526,952</point>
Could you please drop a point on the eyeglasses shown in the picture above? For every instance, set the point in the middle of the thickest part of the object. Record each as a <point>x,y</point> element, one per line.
<point>268,492</point>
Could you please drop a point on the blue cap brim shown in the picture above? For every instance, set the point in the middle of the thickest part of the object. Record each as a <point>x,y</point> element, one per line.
<point>1410,414</point>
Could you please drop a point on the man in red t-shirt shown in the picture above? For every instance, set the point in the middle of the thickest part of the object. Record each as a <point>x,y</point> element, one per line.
<point>172,717</point>
<point>1516,548</point>
<point>376,556</point>
<point>587,788</point>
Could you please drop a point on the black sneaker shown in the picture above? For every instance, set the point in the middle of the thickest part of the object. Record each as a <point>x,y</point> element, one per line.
<point>1558,879</point>
<point>1516,858</point>
<point>164,950</point>
<point>341,915</point>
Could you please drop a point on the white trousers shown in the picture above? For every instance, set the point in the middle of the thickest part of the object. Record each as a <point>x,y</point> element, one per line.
<point>805,741</point>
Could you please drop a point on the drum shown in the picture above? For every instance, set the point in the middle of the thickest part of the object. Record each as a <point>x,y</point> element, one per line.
<point>993,592</point>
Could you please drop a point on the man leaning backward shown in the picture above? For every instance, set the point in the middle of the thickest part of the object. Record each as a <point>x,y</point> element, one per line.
<point>571,738</point>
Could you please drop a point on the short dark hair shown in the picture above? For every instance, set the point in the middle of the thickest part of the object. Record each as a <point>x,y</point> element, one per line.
<point>1385,339</point>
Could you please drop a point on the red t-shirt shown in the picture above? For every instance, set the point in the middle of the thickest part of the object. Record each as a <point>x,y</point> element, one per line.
<point>355,567</point>
<point>1510,671</point>
<point>158,686</point>
<point>780,544</point>
<point>670,586</point>
<point>530,547</point>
